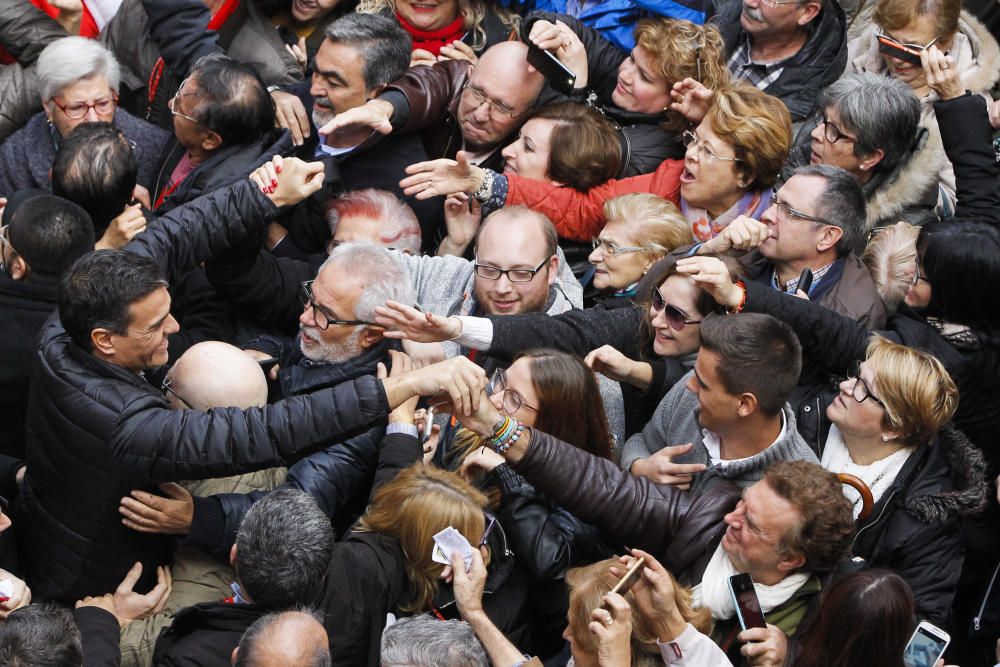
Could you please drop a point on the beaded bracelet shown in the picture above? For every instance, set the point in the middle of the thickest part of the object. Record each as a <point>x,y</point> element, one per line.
<point>505,435</point>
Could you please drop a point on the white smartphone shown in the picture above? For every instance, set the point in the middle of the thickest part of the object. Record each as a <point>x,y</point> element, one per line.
<point>926,646</point>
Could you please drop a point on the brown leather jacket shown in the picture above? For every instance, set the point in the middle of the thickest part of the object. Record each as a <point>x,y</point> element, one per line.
<point>679,529</point>
<point>431,108</point>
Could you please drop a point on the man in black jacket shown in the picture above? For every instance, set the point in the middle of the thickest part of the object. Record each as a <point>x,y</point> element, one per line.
<point>97,428</point>
<point>790,49</point>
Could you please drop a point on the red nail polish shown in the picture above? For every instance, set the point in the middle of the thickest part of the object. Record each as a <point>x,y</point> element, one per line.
<point>278,169</point>
<point>274,183</point>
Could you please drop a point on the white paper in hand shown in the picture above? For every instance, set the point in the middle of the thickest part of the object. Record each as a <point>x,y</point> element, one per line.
<point>449,541</point>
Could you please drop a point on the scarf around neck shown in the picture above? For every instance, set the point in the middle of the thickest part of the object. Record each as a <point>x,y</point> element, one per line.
<point>433,40</point>
<point>713,591</point>
<point>704,228</point>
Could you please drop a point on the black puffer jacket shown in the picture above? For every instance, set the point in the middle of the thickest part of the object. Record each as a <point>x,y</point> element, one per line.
<point>914,529</point>
<point>644,144</point>
<point>95,431</point>
<point>820,62</point>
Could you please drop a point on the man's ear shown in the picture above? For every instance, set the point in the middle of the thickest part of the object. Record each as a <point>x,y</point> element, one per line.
<point>871,160</point>
<point>372,93</point>
<point>791,562</point>
<point>232,658</point>
<point>370,336</point>
<point>553,269</point>
<point>211,141</point>
<point>18,268</point>
<point>102,341</point>
<point>829,238</point>
<point>809,12</point>
<point>232,556</point>
<point>747,405</point>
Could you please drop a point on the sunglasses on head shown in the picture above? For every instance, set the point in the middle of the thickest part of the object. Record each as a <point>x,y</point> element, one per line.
<point>676,317</point>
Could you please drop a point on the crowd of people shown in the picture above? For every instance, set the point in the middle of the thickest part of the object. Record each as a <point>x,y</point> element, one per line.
<point>399,333</point>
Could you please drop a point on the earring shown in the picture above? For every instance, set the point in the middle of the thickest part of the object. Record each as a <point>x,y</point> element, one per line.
<point>885,438</point>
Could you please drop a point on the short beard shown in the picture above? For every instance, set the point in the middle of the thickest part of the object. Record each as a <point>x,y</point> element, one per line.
<point>334,353</point>
<point>321,118</point>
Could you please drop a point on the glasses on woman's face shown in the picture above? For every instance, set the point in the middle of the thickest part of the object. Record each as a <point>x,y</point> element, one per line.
<point>861,391</point>
<point>704,152</point>
<point>917,276</point>
<point>79,110</point>
<point>512,399</point>
<point>610,249</point>
<point>832,133</point>
<point>676,318</point>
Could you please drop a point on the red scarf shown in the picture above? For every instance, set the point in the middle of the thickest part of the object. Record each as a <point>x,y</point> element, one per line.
<point>433,40</point>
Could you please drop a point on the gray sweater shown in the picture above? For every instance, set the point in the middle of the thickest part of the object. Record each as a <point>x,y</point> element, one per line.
<point>675,422</point>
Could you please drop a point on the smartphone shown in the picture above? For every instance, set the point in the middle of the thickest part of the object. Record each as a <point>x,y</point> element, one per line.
<point>287,35</point>
<point>631,576</point>
<point>558,75</point>
<point>805,281</point>
<point>926,646</point>
<point>894,50</point>
<point>425,432</point>
<point>267,364</point>
<point>748,609</point>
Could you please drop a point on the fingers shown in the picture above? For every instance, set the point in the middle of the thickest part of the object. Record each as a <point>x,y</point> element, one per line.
<point>175,491</point>
<point>380,371</point>
<point>130,579</point>
<point>675,450</point>
<point>158,596</point>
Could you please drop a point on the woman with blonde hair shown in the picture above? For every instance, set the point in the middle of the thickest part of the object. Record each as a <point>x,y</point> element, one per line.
<point>385,566</point>
<point>733,157</point>
<point>891,258</point>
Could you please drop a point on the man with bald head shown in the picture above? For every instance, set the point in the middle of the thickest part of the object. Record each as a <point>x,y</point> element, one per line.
<point>214,374</point>
<point>289,638</point>
<point>453,104</point>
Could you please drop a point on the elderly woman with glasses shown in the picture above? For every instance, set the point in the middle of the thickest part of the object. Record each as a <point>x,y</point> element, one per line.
<point>739,143</point>
<point>78,79</point>
<point>905,38</point>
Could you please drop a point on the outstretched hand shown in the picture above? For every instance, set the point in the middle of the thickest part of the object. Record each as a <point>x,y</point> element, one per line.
<point>405,323</point>
<point>352,127</point>
<point>287,181</point>
<point>443,177</point>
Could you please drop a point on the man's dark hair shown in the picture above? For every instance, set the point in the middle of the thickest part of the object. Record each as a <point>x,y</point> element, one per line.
<point>842,204</point>
<point>283,550</point>
<point>384,46</point>
<point>98,290</point>
<point>758,354</point>
<point>96,168</point>
<point>43,634</point>
<point>250,642</point>
<point>50,233</point>
<point>232,100</point>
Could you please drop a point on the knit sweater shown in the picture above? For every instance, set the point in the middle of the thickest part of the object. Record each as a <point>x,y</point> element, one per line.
<point>675,422</point>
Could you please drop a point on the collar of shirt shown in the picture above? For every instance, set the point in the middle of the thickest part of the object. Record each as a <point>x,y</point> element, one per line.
<point>713,445</point>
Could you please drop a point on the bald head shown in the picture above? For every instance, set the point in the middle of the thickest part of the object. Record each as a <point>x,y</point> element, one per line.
<point>290,638</point>
<point>216,375</point>
<point>500,79</point>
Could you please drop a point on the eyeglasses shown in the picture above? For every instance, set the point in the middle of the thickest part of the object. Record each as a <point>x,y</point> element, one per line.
<point>907,45</point>
<point>689,138</point>
<point>676,318</point>
<point>861,390</point>
<point>774,4</point>
<point>172,104</point>
<point>513,275</point>
<point>479,98</point>
<point>611,249</point>
<point>321,315</point>
<point>832,133</point>
<point>512,399</point>
<point>917,277</point>
<point>790,212</point>
<point>79,110</point>
<point>491,522</point>
<point>167,386</point>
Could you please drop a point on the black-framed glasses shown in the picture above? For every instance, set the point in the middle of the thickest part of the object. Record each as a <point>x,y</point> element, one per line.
<point>512,399</point>
<point>677,319</point>
<point>795,214</point>
<point>79,110</point>
<point>689,138</point>
<point>167,387</point>
<point>480,98</point>
<point>610,248</point>
<point>321,315</point>
<point>833,134</point>
<point>861,391</point>
<point>513,275</point>
<point>491,522</point>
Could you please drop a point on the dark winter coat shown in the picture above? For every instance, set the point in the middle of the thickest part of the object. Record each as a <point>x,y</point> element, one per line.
<point>204,634</point>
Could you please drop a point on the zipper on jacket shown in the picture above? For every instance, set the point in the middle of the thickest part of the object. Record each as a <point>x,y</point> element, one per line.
<point>627,157</point>
<point>885,506</point>
<point>989,589</point>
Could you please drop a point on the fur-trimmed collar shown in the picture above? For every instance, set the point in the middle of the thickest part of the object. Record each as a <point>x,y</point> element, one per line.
<point>915,181</point>
<point>968,473</point>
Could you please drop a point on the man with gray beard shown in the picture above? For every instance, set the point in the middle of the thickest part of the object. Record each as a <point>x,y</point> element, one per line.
<point>791,49</point>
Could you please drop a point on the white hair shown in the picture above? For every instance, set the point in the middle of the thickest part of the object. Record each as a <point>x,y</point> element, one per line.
<point>387,277</point>
<point>70,59</point>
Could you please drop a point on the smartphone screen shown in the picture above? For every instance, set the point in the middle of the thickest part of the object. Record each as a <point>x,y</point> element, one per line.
<point>895,51</point>
<point>748,609</point>
<point>926,647</point>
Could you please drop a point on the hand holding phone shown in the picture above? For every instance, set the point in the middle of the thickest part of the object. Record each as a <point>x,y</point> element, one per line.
<point>630,577</point>
<point>748,609</point>
<point>926,646</point>
<point>558,75</point>
<point>896,50</point>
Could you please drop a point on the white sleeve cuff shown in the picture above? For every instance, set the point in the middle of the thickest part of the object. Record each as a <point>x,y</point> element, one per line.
<point>477,333</point>
<point>402,427</point>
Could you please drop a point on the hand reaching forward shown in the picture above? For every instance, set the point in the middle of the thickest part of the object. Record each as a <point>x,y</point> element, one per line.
<point>442,177</point>
<point>406,323</point>
<point>660,467</point>
<point>127,605</point>
<point>353,126</point>
<point>150,513</point>
<point>287,181</point>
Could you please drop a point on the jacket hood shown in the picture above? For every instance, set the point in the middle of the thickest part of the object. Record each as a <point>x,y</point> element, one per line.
<point>968,475</point>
